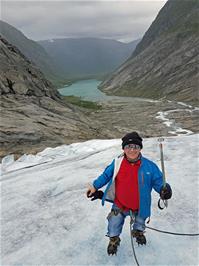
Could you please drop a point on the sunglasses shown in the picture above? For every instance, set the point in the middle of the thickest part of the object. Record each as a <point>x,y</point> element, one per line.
<point>132,147</point>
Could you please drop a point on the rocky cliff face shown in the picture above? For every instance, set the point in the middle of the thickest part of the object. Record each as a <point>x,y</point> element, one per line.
<point>165,62</point>
<point>32,114</point>
<point>19,76</point>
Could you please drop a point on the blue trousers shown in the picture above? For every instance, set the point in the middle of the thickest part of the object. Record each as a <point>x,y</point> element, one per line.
<point>116,221</point>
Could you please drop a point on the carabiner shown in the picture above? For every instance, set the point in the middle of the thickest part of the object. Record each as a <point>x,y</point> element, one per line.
<point>165,204</point>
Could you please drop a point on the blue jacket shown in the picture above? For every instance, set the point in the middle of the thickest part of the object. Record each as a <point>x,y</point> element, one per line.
<point>149,176</point>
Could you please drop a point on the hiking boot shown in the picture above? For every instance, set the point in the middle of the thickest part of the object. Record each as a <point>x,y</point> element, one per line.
<point>113,244</point>
<point>139,235</point>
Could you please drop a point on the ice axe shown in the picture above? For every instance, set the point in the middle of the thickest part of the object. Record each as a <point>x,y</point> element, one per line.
<point>165,202</point>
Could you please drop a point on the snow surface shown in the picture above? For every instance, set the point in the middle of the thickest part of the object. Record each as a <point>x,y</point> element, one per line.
<point>46,218</point>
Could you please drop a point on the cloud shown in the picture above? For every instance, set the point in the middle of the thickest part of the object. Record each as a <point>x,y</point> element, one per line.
<point>121,20</point>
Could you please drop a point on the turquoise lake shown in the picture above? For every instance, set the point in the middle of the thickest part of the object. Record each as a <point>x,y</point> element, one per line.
<point>86,89</point>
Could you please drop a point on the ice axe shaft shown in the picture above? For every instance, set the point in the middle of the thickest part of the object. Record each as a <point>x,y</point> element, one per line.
<point>160,140</point>
<point>162,160</point>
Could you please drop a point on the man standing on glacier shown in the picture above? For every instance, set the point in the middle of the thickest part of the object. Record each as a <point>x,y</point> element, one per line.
<point>130,179</point>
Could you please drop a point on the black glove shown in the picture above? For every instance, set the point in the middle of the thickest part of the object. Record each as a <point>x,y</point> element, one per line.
<point>166,192</point>
<point>98,194</point>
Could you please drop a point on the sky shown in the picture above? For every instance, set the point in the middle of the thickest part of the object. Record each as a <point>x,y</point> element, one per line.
<point>120,20</point>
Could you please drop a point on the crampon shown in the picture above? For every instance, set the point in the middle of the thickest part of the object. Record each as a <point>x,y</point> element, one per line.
<point>113,245</point>
<point>140,237</point>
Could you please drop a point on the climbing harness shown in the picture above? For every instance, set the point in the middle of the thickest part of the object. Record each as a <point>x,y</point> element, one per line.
<point>114,212</point>
<point>162,204</point>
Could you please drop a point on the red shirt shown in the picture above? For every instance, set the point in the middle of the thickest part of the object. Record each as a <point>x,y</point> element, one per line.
<point>126,186</point>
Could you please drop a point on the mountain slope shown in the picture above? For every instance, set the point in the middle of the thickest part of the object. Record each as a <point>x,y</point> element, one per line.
<point>88,56</point>
<point>31,49</point>
<point>165,62</point>
<point>32,113</point>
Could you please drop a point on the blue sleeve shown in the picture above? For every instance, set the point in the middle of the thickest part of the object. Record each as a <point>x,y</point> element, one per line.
<point>157,179</point>
<point>105,177</point>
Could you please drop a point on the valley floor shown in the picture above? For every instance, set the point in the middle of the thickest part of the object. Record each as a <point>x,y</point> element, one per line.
<point>28,127</point>
<point>151,118</point>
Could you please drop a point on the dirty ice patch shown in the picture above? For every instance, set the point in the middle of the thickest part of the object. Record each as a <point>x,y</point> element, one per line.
<point>9,164</point>
<point>71,151</point>
<point>81,148</point>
